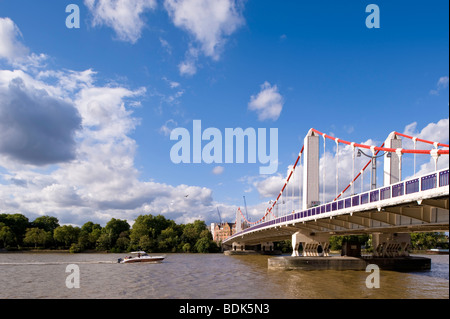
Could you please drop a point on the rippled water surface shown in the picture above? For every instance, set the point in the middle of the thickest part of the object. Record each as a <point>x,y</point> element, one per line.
<point>210,276</point>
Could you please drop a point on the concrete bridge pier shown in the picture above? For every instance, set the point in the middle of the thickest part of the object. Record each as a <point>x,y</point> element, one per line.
<point>267,246</point>
<point>237,246</point>
<point>313,244</point>
<point>391,244</point>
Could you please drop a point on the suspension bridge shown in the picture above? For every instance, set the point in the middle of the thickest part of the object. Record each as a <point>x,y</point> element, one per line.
<point>390,213</point>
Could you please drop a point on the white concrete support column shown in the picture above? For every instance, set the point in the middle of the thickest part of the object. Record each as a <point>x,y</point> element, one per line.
<point>311,170</point>
<point>391,245</point>
<point>296,241</point>
<point>313,244</point>
<point>237,246</point>
<point>267,246</point>
<point>392,164</point>
<point>238,221</point>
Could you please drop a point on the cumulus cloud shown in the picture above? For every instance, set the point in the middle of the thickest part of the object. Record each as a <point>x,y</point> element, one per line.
<point>11,47</point>
<point>101,182</point>
<point>64,118</point>
<point>13,50</point>
<point>268,103</point>
<point>270,187</point>
<point>36,128</point>
<point>208,22</point>
<point>434,132</point>
<point>124,16</point>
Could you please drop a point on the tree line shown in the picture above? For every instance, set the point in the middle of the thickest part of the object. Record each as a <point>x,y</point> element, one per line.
<point>149,233</point>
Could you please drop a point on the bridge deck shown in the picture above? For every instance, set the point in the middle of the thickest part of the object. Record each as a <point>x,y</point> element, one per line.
<point>416,204</point>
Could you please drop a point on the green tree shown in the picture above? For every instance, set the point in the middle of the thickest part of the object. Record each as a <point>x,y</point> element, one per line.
<point>7,237</point>
<point>205,245</point>
<point>47,223</point>
<point>103,242</point>
<point>168,240</point>
<point>17,224</point>
<point>122,243</point>
<point>336,242</point>
<point>192,232</point>
<point>66,235</point>
<point>112,231</point>
<point>89,235</point>
<point>426,240</point>
<point>186,248</point>
<point>35,236</point>
<point>146,243</point>
<point>150,226</point>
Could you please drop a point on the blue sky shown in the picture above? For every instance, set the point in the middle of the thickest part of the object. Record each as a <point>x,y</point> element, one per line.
<point>135,70</point>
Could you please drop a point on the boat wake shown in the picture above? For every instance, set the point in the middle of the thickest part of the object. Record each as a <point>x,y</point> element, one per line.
<point>57,263</point>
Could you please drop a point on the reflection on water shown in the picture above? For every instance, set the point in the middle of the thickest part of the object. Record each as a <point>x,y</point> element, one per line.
<point>211,276</point>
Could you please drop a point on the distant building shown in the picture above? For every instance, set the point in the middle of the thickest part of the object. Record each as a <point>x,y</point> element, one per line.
<point>222,231</point>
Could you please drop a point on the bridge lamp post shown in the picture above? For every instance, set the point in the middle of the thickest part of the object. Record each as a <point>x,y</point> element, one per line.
<point>373,158</point>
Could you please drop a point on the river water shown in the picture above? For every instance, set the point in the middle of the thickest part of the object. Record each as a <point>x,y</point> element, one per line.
<point>204,276</point>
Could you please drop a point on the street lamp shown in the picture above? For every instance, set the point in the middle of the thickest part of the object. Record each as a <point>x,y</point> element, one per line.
<point>373,176</point>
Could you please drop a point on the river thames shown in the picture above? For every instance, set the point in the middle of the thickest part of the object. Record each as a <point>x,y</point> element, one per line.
<point>204,276</point>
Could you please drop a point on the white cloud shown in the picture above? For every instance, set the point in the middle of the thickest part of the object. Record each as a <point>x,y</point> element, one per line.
<point>208,22</point>
<point>442,84</point>
<point>168,127</point>
<point>83,129</point>
<point>218,170</point>
<point>268,104</point>
<point>270,187</point>
<point>172,84</point>
<point>166,45</point>
<point>434,132</point>
<point>102,181</point>
<point>187,68</point>
<point>124,16</point>
<point>11,48</point>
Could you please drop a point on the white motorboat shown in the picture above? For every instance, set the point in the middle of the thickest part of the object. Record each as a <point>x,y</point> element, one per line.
<point>140,257</point>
